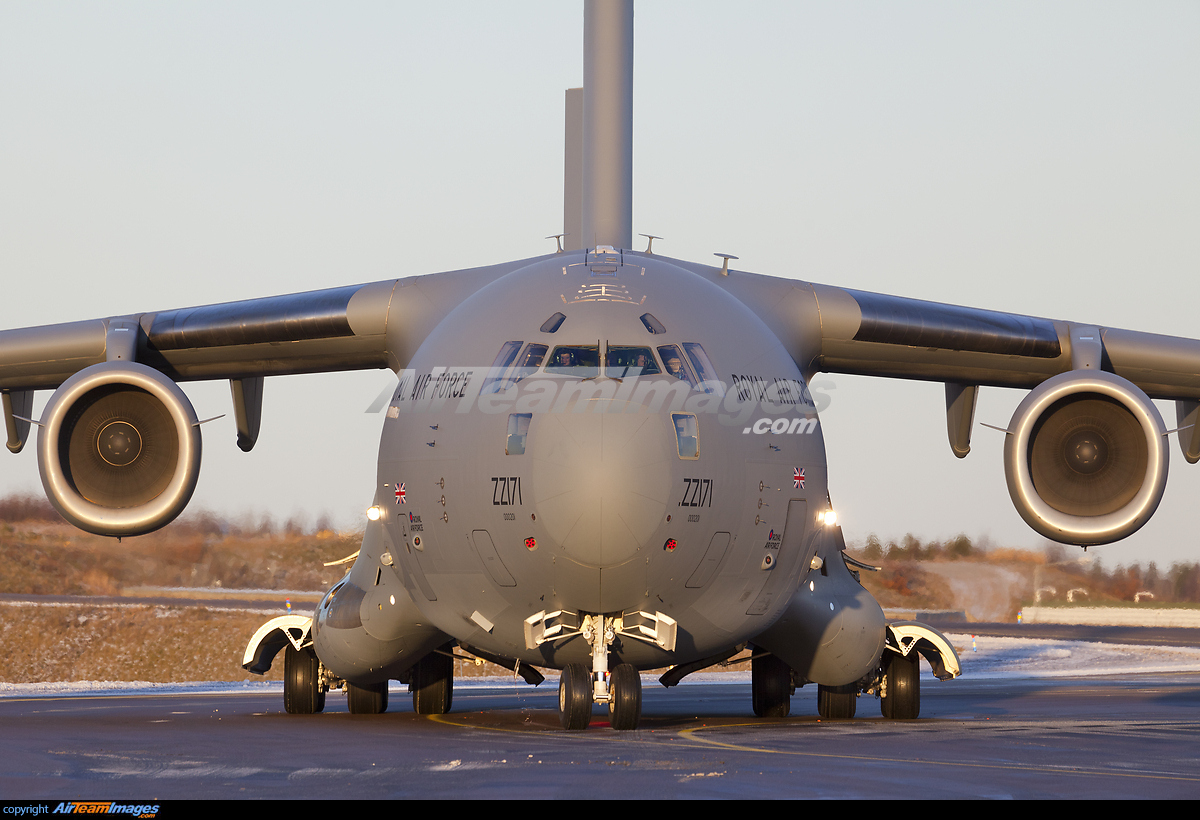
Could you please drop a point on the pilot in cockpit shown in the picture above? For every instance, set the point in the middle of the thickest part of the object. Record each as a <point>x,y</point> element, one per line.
<point>675,367</point>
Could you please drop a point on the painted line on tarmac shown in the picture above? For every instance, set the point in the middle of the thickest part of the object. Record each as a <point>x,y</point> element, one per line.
<point>692,734</point>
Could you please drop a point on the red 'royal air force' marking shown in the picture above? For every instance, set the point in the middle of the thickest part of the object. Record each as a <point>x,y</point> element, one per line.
<point>797,477</point>
<point>400,494</point>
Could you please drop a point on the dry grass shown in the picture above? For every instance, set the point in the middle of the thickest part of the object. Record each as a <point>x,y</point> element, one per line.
<point>41,558</point>
<point>41,555</point>
<point>905,585</point>
<point>127,642</point>
<point>163,644</point>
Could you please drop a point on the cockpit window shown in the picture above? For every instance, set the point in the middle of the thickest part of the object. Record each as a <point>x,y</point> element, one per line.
<point>580,361</point>
<point>622,361</point>
<point>709,382</point>
<point>553,323</point>
<point>504,359</point>
<point>530,360</point>
<point>653,325</point>
<point>534,353</point>
<point>518,430</point>
<point>673,360</point>
<point>687,435</point>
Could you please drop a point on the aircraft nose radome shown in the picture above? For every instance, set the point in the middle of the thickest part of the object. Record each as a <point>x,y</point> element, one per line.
<point>602,482</point>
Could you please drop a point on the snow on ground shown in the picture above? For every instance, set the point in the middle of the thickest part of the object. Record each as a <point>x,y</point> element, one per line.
<point>982,658</point>
<point>987,657</point>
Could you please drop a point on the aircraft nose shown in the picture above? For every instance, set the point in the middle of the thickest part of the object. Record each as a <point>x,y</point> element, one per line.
<point>602,482</point>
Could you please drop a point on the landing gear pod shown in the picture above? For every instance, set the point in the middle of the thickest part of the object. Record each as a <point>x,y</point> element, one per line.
<point>1086,458</point>
<point>119,449</point>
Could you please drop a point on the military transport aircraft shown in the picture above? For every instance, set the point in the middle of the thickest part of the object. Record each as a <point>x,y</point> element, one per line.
<point>601,460</point>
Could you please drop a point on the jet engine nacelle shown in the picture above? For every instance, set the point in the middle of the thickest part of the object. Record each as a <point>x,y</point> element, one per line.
<point>1086,458</point>
<point>119,449</point>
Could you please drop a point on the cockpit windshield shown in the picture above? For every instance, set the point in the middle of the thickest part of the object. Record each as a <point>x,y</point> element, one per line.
<point>504,359</point>
<point>580,361</point>
<point>623,361</point>
<point>529,362</point>
<point>673,360</point>
<point>709,382</point>
<point>509,368</point>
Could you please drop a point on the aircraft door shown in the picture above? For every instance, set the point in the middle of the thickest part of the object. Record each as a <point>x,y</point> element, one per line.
<point>485,548</point>
<point>786,549</point>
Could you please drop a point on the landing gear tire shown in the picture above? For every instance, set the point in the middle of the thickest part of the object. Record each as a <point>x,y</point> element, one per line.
<point>575,697</point>
<point>433,683</point>
<point>625,697</point>
<point>302,693</point>
<point>367,700</point>
<point>837,702</point>
<point>902,676</point>
<point>771,687</point>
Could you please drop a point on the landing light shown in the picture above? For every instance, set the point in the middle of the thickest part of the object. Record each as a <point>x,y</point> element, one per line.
<point>374,513</point>
<point>828,518</point>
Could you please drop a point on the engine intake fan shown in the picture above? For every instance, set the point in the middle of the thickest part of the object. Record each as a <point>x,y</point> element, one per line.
<point>1086,458</point>
<point>119,449</point>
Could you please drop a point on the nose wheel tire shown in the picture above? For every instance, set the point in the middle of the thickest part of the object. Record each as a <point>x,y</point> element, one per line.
<point>575,697</point>
<point>770,686</point>
<point>302,693</point>
<point>903,681</point>
<point>433,683</point>
<point>625,697</point>
<point>367,700</point>
<point>837,702</point>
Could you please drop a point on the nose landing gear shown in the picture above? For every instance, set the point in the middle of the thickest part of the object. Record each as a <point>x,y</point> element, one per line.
<point>625,697</point>
<point>575,697</point>
<point>578,689</point>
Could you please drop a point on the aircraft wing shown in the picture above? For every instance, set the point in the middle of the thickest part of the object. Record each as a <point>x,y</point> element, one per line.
<point>1085,452</point>
<point>839,330</point>
<point>357,327</point>
<point>115,383</point>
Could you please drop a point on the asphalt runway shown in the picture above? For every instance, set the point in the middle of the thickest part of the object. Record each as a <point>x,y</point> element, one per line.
<point>1122,738</point>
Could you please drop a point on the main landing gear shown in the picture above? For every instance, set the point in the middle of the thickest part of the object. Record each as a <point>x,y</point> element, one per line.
<point>370,699</point>
<point>900,698</point>
<point>896,681</point>
<point>433,682</point>
<point>837,702</point>
<point>305,684</point>
<point>771,686</point>
<point>303,693</point>
<point>578,688</point>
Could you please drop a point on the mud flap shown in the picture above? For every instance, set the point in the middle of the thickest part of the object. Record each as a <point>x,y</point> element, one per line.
<point>906,637</point>
<point>273,636</point>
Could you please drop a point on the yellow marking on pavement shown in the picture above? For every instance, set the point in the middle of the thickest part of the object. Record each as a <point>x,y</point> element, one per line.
<point>691,734</point>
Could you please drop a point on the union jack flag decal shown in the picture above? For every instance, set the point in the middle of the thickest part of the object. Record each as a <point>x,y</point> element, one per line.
<point>400,494</point>
<point>797,478</point>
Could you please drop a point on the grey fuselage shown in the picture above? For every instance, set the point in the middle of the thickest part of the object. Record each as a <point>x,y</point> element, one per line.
<point>606,510</point>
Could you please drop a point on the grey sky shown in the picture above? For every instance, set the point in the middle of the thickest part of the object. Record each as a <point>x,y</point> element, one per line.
<point>1033,157</point>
